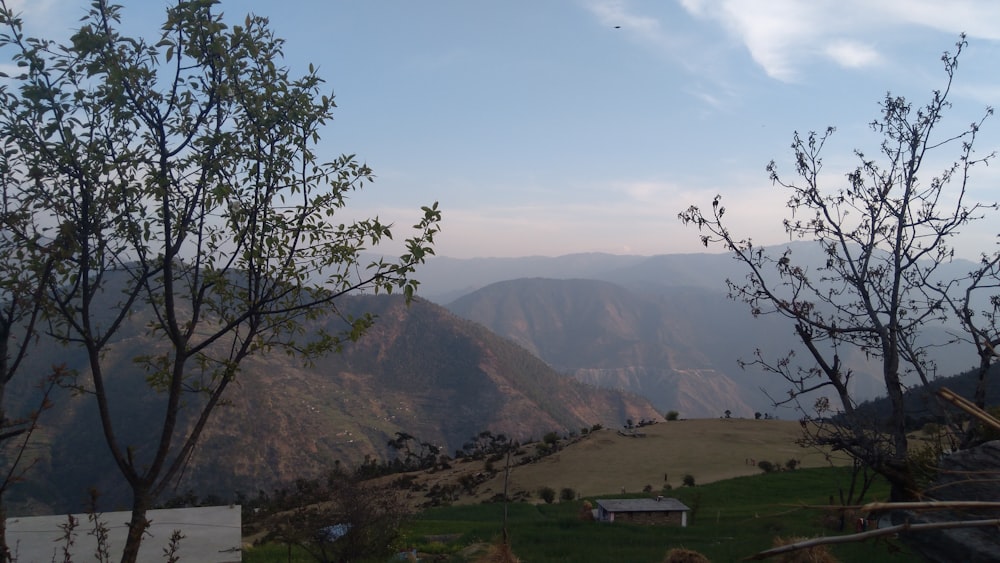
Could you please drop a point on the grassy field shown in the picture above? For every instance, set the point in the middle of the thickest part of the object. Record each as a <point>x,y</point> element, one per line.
<point>732,519</point>
<point>710,450</point>
<point>737,510</point>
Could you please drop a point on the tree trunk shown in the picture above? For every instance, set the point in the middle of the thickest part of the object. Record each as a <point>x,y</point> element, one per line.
<point>4,550</point>
<point>141,503</point>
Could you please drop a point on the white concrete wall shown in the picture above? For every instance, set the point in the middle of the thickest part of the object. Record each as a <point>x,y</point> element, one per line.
<point>212,535</point>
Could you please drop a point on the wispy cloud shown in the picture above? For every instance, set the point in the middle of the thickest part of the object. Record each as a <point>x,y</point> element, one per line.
<point>851,54</point>
<point>666,32</point>
<point>783,36</point>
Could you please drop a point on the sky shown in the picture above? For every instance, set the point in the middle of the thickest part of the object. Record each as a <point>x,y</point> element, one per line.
<point>569,126</point>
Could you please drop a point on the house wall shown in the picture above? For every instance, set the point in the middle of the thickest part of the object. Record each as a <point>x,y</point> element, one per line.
<point>654,518</point>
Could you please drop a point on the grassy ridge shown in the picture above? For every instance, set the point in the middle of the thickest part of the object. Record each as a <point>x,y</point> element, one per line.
<point>732,520</point>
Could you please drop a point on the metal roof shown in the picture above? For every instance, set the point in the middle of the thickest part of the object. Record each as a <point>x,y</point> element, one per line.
<point>662,504</point>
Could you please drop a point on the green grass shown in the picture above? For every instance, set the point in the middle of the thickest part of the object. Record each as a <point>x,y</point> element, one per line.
<point>732,520</point>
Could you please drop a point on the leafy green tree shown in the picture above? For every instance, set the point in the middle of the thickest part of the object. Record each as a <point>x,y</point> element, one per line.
<point>341,519</point>
<point>885,234</point>
<point>24,274</point>
<point>180,178</point>
<point>672,415</point>
<point>547,494</point>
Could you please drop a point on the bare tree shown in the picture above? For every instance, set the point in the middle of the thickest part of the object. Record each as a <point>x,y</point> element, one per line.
<point>885,234</point>
<point>182,184</point>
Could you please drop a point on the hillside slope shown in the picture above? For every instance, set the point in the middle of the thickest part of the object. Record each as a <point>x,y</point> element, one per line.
<point>420,370</point>
<point>660,346</point>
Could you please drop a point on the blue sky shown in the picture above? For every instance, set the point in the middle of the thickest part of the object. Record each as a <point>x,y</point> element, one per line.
<point>564,126</point>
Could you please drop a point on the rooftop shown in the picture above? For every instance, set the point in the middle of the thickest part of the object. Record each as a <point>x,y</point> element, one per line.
<point>657,504</point>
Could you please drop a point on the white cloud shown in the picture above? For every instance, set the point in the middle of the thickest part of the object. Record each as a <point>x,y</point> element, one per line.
<point>852,54</point>
<point>783,36</point>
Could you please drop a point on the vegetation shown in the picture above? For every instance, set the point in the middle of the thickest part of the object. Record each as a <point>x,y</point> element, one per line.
<point>179,177</point>
<point>547,494</point>
<point>885,236</point>
<point>736,518</point>
<point>338,519</point>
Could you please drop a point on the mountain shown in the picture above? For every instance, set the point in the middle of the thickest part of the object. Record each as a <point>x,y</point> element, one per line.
<point>670,331</point>
<point>419,370</point>
<point>606,335</point>
<point>679,346</point>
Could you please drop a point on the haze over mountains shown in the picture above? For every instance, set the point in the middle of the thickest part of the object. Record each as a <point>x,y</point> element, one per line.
<point>419,370</point>
<point>660,326</point>
<point>529,346</point>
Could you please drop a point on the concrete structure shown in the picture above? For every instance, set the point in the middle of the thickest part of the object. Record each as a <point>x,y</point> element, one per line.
<point>657,510</point>
<point>211,535</point>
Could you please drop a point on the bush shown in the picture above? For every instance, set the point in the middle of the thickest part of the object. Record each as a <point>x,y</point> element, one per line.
<point>688,480</point>
<point>673,415</point>
<point>767,466</point>
<point>567,494</point>
<point>548,494</point>
<point>681,555</point>
<point>792,464</point>
<point>815,554</point>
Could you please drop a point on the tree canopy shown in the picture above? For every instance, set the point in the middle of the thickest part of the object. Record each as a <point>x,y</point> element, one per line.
<point>182,176</point>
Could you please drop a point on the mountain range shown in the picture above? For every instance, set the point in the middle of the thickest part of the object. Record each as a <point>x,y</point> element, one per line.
<point>520,346</point>
<point>420,370</point>
<point>662,326</point>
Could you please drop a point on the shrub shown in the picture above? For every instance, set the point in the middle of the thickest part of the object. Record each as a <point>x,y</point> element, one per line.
<point>767,466</point>
<point>815,554</point>
<point>567,494</point>
<point>688,480</point>
<point>547,494</point>
<point>792,464</point>
<point>681,555</point>
<point>672,415</point>
<point>647,489</point>
<point>596,427</point>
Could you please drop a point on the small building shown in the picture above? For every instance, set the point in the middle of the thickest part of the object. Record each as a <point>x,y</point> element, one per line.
<point>657,510</point>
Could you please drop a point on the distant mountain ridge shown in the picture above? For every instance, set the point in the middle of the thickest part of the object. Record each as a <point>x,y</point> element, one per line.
<point>419,370</point>
<point>660,326</point>
<point>606,335</point>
